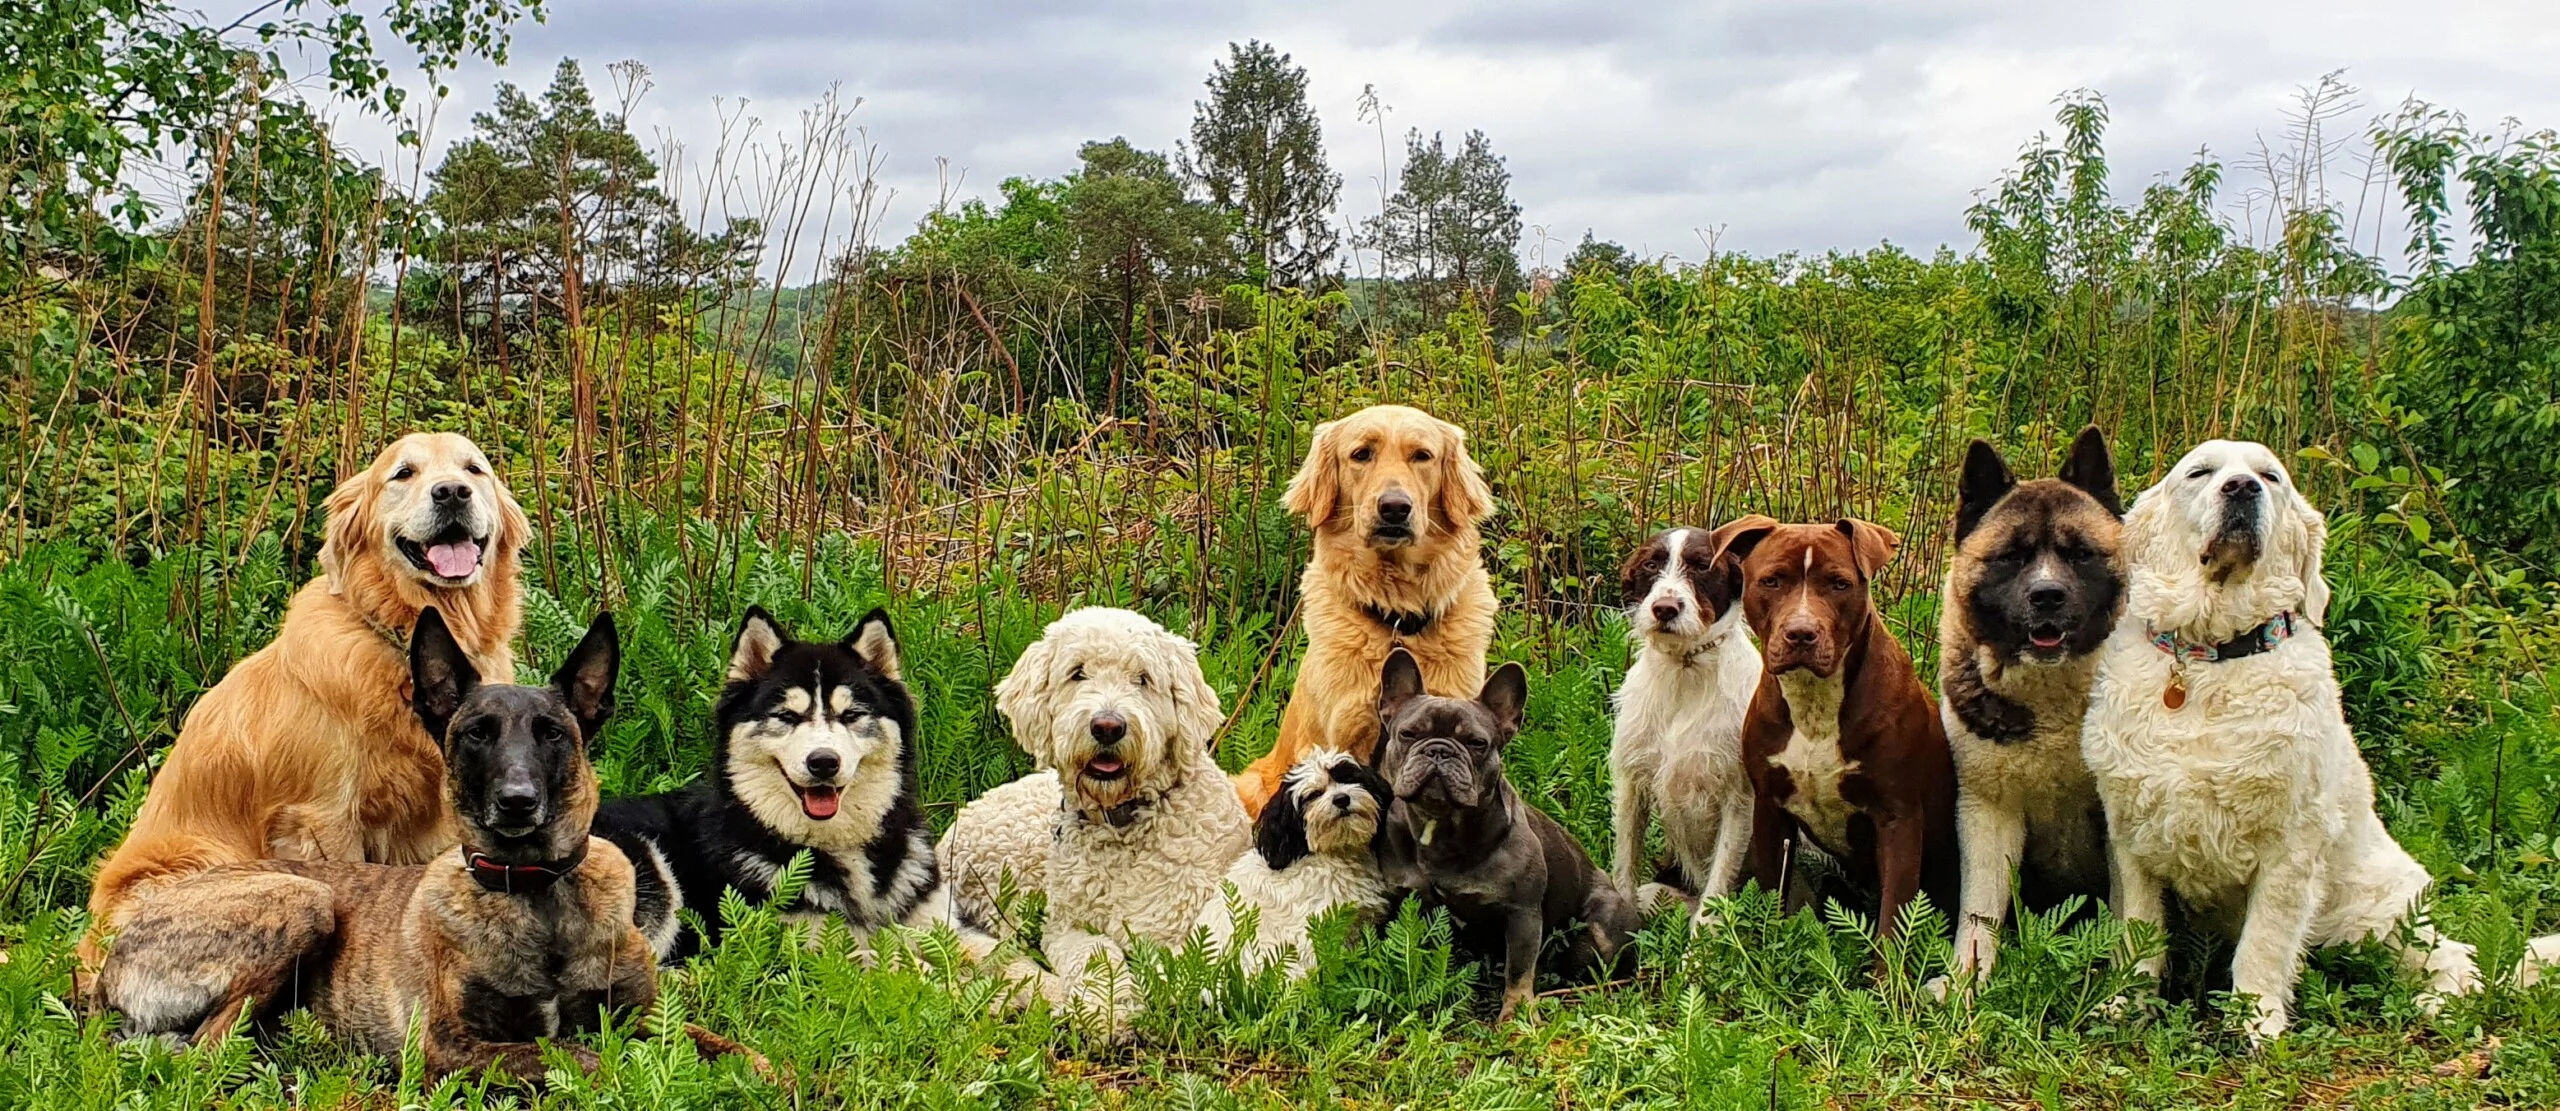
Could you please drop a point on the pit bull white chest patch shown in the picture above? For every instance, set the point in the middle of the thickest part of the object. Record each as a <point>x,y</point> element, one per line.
<point>1812,759</point>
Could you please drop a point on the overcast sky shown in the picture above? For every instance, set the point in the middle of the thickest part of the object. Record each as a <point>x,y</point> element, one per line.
<point>1787,125</point>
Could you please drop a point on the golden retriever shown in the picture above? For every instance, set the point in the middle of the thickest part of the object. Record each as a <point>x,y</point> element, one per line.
<point>1394,501</point>
<point>307,749</point>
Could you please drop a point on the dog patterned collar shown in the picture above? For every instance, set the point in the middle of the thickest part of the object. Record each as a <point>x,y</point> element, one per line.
<point>521,879</point>
<point>1403,623</point>
<point>2276,630</point>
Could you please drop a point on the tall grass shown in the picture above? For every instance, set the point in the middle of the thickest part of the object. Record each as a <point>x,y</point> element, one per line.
<point>925,438</point>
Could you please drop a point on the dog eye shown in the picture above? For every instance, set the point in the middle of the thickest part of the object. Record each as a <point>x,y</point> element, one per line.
<point>1075,674</point>
<point>1142,680</point>
<point>2076,554</point>
<point>788,717</point>
<point>1422,455</point>
<point>2200,472</point>
<point>403,472</point>
<point>1361,454</point>
<point>471,468</point>
<point>2272,478</point>
<point>545,729</point>
<point>1840,584</point>
<point>1771,582</point>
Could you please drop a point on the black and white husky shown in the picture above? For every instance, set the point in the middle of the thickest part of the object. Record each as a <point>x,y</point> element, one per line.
<point>816,752</point>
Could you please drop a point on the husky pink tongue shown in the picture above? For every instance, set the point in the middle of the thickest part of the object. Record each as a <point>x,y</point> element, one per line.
<point>818,802</point>
<point>455,560</point>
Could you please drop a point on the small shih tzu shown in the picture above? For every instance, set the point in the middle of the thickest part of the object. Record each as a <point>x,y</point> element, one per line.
<point>1313,850</point>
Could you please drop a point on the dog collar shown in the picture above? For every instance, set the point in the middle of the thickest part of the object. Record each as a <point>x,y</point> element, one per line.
<point>521,879</point>
<point>1406,623</point>
<point>1121,816</point>
<point>2264,638</point>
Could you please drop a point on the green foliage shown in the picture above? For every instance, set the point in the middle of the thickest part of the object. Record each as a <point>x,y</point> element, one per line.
<point>1451,227</point>
<point>1257,149</point>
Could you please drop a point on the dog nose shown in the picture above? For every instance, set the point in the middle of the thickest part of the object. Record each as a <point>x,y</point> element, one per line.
<point>1342,802</point>
<point>450,493</point>
<point>1109,728</point>
<point>1801,634</point>
<point>518,801</point>
<point>2046,596</point>
<point>1666,610</point>
<point>1395,507</point>
<point>2242,486</point>
<point>824,763</point>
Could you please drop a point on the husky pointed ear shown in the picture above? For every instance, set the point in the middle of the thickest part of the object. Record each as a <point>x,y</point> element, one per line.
<point>876,644</point>
<point>1507,695</point>
<point>1871,544</point>
<point>752,653</point>
<point>441,674</point>
<point>585,680</point>
<point>1986,480</point>
<point>2092,468</point>
<point>1398,683</point>
<point>1316,490</point>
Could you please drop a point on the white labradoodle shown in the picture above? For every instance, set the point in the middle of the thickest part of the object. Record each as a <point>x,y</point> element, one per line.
<point>1115,708</point>
<point>1314,849</point>
<point>2218,745</point>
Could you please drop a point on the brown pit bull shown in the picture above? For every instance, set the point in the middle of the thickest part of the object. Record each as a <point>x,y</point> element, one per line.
<point>1842,744</point>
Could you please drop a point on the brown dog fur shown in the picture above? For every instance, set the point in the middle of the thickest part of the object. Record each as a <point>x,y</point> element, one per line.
<point>1351,464</point>
<point>307,750</point>
<point>475,972</point>
<point>1825,648</point>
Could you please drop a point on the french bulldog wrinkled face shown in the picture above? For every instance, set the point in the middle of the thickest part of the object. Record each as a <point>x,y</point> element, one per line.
<point>1444,755</point>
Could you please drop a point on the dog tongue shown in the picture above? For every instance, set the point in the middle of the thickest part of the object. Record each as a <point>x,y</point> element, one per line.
<point>818,802</point>
<point>455,560</point>
<point>1107,765</point>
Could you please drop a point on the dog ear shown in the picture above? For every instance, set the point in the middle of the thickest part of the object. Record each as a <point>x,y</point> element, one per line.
<point>1195,702</point>
<point>1280,834</point>
<point>1464,497</point>
<point>1018,699</point>
<point>1398,683</point>
<point>2092,468</point>
<point>1507,695</point>
<point>1871,545</point>
<point>1316,489</point>
<point>753,651</point>
<point>352,529</point>
<point>1728,546</point>
<point>2313,536</point>
<point>441,674</point>
<point>1986,480</point>
<point>585,679</point>
<point>876,644</point>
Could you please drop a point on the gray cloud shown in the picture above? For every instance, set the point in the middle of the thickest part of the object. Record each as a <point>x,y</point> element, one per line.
<point>1805,126</point>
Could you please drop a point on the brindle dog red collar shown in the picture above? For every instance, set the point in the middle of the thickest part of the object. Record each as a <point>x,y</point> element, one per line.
<point>521,879</point>
<point>1404,623</point>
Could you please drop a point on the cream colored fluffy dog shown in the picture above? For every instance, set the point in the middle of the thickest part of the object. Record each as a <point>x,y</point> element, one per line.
<point>1394,501</point>
<point>307,750</point>
<point>2218,745</point>
<point>1128,825</point>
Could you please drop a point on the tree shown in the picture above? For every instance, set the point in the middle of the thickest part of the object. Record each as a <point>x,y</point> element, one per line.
<point>1451,229</point>
<point>86,85</point>
<point>1135,233</point>
<point>1258,151</point>
<point>552,199</point>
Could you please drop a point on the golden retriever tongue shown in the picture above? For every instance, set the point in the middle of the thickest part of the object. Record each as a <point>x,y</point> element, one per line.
<point>818,803</point>
<point>455,560</point>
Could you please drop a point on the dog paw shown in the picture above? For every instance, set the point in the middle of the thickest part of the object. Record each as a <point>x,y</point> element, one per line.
<point>1944,988</point>
<point>2267,1027</point>
<point>1653,898</point>
<point>2430,1003</point>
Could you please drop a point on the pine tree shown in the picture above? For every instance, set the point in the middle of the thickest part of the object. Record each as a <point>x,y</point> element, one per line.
<point>1451,229</point>
<point>1257,150</point>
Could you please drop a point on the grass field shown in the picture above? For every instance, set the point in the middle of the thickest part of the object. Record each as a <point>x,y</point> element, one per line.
<point>948,444</point>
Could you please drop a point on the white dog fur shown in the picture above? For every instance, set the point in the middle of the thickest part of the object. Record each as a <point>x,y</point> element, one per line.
<point>1179,822</point>
<point>1298,869</point>
<point>1677,748</point>
<point>2250,800</point>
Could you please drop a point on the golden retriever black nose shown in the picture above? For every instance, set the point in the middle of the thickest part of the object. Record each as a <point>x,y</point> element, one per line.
<point>1109,728</point>
<point>1395,507</point>
<point>450,493</point>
